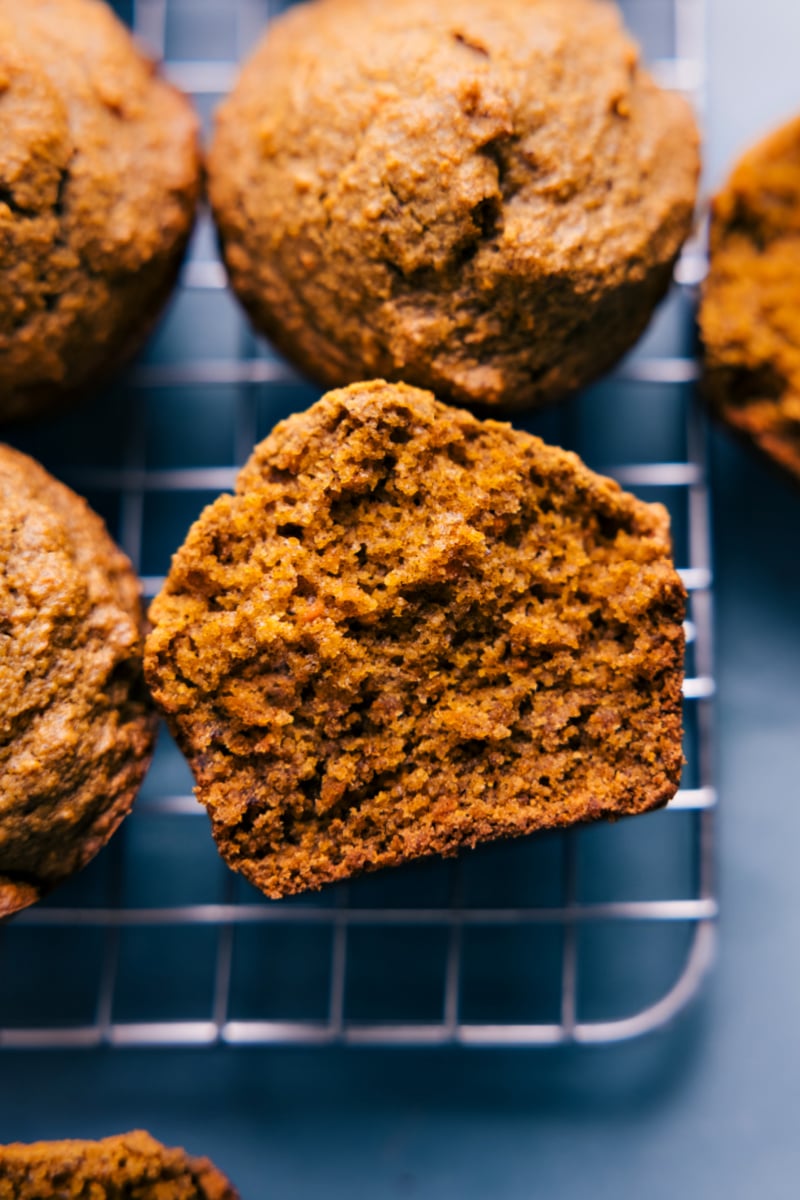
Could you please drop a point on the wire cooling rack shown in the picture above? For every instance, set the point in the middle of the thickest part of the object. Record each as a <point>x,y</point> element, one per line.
<point>594,935</point>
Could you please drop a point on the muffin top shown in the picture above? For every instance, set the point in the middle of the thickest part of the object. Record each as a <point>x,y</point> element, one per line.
<point>130,1164</point>
<point>99,177</point>
<point>76,730</point>
<point>750,312</point>
<point>480,197</point>
<point>408,631</point>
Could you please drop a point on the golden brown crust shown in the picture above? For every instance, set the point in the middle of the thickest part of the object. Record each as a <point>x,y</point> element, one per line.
<point>76,727</point>
<point>410,631</point>
<point>99,180</point>
<point>750,313</point>
<point>130,1164</point>
<point>478,197</point>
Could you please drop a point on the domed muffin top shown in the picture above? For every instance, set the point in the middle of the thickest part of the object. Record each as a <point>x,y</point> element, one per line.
<point>99,178</point>
<point>408,631</point>
<point>479,197</point>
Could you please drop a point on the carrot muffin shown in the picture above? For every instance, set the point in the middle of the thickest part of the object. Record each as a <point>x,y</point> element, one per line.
<point>99,179</point>
<point>410,631</point>
<point>76,729</point>
<point>750,313</point>
<point>131,1164</point>
<point>482,198</point>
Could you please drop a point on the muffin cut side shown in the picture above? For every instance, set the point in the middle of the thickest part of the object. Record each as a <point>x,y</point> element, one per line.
<point>410,631</point>
<point>115,1168</point>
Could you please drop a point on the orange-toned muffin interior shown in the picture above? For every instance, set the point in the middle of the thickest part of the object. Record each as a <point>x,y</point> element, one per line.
<point>129,1165</point>
<point>410,631</point>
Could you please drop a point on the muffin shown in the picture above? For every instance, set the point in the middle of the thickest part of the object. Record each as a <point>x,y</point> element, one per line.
<point>76,727</point>
<point>410,631</point>
<point>480,198</point>
<point>99,180</point>
<point>750,311</point>
<point>131,1164</point>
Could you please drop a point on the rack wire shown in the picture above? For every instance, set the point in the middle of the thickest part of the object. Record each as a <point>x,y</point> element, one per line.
<point>587,936</point>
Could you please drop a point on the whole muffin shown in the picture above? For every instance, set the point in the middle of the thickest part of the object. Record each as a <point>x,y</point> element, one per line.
<point>410,631</point>
<point>750,312</point>
<point>76,728</point>
<point>99,180</point>
<point>482,198</point>
<point>130,1164</point>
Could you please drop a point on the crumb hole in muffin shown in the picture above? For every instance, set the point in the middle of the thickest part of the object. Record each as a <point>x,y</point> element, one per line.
<point>486,216</point>
<point>609,525</point>
<point>470,43</point>
<point>457,454</point>
<point>291,530</point>
<point>512,536</point>
<point>7,197</point>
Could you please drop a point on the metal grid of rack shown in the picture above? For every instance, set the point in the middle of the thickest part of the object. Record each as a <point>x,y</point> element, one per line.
<point>552,940</point>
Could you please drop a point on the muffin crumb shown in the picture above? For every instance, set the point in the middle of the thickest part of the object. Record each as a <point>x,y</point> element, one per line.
<point>410,631</point>
<point>130,1164</point>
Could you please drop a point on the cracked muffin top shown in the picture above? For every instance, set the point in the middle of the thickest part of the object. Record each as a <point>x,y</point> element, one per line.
<point>76,728</point>
<point>481,197</point>
<point>410,631</point>
<point>750,312</point>
<point>99,178</point>
<point>129,1164</point>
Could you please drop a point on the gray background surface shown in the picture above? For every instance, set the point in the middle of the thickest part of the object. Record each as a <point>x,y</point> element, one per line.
<point>707,1108</point>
